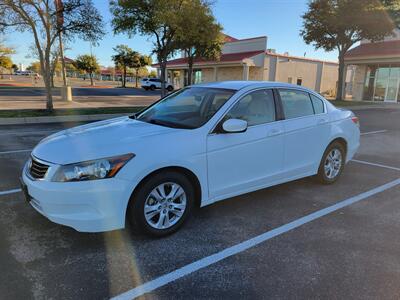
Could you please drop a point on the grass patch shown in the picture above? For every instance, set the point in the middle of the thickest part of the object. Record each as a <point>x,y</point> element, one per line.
<point>344,103</point>
<point>23,113</point>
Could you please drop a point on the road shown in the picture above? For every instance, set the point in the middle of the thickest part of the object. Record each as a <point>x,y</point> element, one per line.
<point>344,250</point>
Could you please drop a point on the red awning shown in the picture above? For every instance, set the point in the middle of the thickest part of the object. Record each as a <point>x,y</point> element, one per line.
<point>389,48</point>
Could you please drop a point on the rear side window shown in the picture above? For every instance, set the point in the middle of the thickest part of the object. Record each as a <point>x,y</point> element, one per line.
<point>318,104</point>
<point>296,104</point>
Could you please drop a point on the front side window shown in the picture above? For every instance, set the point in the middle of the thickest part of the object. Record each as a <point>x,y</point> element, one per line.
<point>296,103</point>
<point>256,108</point>
<point>188,108</point>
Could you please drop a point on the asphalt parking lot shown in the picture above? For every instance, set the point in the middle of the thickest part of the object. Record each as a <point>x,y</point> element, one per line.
<point>347,248</point>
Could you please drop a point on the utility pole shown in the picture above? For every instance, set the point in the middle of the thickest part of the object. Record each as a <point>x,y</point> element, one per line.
<point>64,71</point>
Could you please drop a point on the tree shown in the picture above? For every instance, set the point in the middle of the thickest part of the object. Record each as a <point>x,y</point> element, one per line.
<point>153,74</point>
<point>139,63</point>
<point>156,18</point>
<point>14,67</point>
<point>5,59</point>
<point>199,34</point>
<point>87,63</point>
<point>46,20</point>
<point>35,67</point>
<point>339,24</point>
<point>124,59</point>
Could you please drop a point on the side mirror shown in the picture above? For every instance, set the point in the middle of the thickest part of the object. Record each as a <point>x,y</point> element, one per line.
<point>234,126</point>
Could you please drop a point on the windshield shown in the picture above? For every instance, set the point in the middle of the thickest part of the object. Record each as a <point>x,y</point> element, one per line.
<point>188,108</point>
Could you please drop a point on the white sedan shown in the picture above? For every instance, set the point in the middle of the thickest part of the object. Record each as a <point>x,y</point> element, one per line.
<point>199,145</point>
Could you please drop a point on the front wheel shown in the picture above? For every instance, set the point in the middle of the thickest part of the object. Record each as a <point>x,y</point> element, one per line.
<point>162,204</point>
<point>170,88</point>
<point>332,163</point>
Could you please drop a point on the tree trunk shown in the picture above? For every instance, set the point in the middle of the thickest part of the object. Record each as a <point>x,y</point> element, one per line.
<point>136,77</point>
<point>91,78</point>
<point>47,80</point>
<point>163,68</point>
<point>340,87</point>
<point>124,79</point>
<point>190,70</point>
<point>49,96</point>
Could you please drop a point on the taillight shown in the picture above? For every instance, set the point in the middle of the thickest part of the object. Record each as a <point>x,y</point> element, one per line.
<point>355,120</point>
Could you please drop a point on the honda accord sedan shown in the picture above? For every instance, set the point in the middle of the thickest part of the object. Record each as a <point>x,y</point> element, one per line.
<point>198,145</point>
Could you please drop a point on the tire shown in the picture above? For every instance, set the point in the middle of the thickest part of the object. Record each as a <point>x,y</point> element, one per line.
<point>160,209</point>
<point>152,87</point>
<point>170,88</point>
<point>332,163</point>
<point>146,88</point>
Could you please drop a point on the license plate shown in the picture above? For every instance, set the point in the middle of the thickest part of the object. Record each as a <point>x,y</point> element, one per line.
<point>24,189</point>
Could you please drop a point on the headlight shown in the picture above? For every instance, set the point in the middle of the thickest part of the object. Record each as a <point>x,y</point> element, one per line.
<point>93,169</point>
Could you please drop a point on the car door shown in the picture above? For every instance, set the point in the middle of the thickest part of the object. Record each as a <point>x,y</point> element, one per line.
<point>241,162</point>
<point>306,133</point>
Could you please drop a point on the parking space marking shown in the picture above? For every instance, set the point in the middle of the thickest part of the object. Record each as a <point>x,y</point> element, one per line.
<point>375,164</point>
<point>15,151</point>
<point>13,191</point>
<point>373,132</point>
<point>238,248</point>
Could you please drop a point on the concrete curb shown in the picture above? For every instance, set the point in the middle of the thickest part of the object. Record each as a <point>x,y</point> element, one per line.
<point>59,119</point>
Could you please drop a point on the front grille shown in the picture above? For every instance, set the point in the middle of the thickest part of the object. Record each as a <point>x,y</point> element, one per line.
<point>37,169</point>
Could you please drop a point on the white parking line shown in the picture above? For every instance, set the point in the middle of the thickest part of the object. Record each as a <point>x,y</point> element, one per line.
<point>10,192</point>
<point>15,151</point>
<point>373,132</point>
<point>238,248</point>
<point>375,165</point>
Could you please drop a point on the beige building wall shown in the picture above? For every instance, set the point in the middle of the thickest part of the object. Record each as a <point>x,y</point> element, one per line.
<point>229,73</point>
<point>207,75</point>
<point>306,71</point>
<point>256,73</point>
<point>330,74</point>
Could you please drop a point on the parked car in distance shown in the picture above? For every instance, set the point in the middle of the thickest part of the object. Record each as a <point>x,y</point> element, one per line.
<point>155,83</point>
<point>25,73</point>
<point>198,145</point>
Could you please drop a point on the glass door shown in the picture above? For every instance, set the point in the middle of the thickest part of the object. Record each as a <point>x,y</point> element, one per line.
<point>392,90</point>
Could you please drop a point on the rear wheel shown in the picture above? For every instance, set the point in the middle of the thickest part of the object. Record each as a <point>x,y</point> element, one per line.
<point>162,204</point>
<point>170,88</point>
<point>332,163</point>
<point>152,87</point>
<point>146,88</point>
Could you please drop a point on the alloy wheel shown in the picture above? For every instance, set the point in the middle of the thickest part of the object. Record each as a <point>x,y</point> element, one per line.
<point>165,205</point>
<point>333,163</point>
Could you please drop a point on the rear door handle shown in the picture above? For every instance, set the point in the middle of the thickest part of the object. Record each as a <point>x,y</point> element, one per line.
<point>275,131</point>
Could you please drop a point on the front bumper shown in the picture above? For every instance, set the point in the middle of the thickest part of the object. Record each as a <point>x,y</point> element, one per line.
<point>87,206</point>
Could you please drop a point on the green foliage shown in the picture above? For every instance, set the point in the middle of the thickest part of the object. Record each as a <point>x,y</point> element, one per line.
<point>338,24</point>
<point>5,59</point>
<point>156,18</point>
<point>87,63</point>
<point>153,74</point>
<point>35,67</point>
<point>199,34</point>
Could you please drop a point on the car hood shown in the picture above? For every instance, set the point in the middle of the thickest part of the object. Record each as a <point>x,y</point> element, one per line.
<point>96,140</point>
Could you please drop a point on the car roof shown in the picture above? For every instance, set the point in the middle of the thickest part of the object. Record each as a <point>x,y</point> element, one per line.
<point>238,85</point>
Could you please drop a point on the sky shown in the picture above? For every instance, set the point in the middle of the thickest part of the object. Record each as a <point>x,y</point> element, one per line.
<point>279,20</point>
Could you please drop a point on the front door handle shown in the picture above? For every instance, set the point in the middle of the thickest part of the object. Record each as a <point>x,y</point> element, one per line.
<point>322,121</point>
<point>275,131</point>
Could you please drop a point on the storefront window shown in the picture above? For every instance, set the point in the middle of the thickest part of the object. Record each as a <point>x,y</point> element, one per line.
<point>382,83</point>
